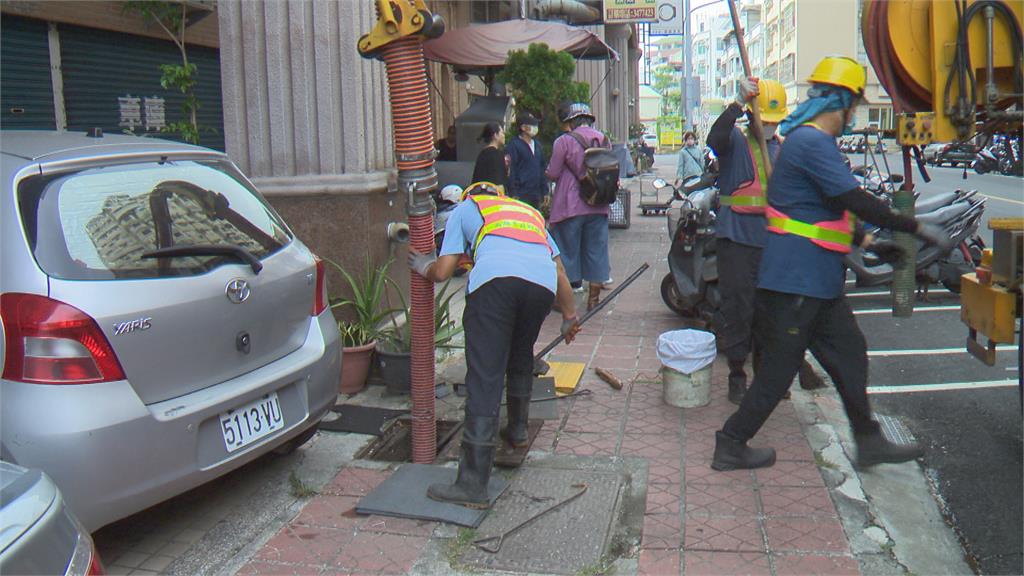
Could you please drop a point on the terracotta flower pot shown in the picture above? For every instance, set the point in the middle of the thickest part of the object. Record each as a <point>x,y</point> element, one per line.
<point>355,367</point>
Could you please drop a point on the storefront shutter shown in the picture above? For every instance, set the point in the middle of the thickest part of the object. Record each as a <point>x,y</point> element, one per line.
<point>100,67</point>
<point>26,96</point>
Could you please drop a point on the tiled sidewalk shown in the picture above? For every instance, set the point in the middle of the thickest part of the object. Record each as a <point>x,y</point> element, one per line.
<point>780,520</point>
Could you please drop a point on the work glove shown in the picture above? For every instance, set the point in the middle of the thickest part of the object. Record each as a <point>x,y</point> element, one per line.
<point>888,252</point>
<point>934,234</point>
<point>421,262</point>
<point>570,327</point>
<point>748,91</point>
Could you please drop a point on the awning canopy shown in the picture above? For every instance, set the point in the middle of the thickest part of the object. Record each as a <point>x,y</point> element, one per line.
<point>488,45</point>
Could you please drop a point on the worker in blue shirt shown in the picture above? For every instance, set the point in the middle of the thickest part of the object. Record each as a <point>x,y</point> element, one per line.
<point>740,225</point>
<point>800,303</point>
<point>516,276</point>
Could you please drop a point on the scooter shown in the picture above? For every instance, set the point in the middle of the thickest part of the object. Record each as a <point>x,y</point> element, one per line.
<point>960,216</point>
<point>690,288</point>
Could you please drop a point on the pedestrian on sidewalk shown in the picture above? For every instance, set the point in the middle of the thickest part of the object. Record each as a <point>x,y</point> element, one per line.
<point>740,227</point>
<point>492,161</point>
<point>800,303</point>
<point>581,230</point>
<point>526,181</point>
<point>446,151</point>
<point>691,159</point>
<point>517,274</point>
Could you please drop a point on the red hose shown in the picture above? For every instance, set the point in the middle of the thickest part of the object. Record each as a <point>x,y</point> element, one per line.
<point>414,146</point>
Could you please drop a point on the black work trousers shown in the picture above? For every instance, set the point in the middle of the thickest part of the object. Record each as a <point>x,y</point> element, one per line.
<point>785,326</point>
<point>501,321</point>
<point>738,265</point>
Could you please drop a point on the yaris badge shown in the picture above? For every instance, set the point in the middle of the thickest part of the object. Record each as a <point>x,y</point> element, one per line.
<point>237,291</point>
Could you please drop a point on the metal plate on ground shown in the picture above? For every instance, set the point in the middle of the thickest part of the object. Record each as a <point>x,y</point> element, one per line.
<point>404,495</point>
<point>545,409</point>
<point>895,430</point>
<point>505,457</point>
<point>359,419</point>
<point>567,540</point>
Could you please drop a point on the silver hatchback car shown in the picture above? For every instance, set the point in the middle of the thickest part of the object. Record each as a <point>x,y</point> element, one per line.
<point>161,324</point>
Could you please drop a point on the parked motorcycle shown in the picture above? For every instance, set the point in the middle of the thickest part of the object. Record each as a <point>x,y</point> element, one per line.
<point>959,213</point>
<point>690,288</point>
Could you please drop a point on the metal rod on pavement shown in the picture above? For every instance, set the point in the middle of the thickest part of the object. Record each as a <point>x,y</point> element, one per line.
<point>611,296</point>
<point>755,112</point>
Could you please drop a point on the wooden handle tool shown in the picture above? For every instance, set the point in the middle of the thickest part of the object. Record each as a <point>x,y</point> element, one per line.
<point>609,378</point>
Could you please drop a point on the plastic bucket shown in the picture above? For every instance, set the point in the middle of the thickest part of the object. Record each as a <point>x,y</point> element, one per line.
<point>687,390</point>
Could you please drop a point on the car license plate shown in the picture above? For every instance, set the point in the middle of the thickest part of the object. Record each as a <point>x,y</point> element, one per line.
<point>243,426</point>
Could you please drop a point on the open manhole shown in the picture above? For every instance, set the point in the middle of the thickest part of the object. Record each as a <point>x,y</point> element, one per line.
<point>396,443</point>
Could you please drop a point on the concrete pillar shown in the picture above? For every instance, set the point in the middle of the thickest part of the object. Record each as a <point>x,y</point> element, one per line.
<point>306,118</point>
<point>617,86</point>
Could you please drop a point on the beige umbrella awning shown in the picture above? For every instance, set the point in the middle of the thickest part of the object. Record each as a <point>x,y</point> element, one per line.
<point>488,45</point>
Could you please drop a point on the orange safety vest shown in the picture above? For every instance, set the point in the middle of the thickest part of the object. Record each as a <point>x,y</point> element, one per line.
<point>509,218</point>
<point>749,197</point>
<point>834,235</point>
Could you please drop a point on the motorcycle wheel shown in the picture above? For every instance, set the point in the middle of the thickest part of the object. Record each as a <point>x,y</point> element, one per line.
<point>670,296</point>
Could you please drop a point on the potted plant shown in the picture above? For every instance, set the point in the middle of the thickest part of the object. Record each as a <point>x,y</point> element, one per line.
<point>395,345</point>
<point>359,336</point>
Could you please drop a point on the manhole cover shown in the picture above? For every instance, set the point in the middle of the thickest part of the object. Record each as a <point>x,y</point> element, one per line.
<point>564,541</point>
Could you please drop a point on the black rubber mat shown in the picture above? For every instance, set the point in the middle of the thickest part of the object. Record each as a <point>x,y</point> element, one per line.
<point>404,495</point>
<point>360,419</point>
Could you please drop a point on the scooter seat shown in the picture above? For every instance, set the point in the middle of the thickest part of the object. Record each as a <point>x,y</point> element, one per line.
<point>933,203</point>
<point>945,214</point>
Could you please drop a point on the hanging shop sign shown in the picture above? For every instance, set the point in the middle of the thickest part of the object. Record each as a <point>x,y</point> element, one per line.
<point>670,19</point>
<point>622,11</point>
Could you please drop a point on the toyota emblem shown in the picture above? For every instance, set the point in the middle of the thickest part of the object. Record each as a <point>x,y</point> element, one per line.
<point>237,291</point>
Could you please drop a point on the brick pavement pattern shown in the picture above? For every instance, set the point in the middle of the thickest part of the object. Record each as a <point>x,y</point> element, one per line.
<point>776,521</point>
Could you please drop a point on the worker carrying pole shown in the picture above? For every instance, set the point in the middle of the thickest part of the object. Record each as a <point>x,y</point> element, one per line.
<point>800,305</point>
<point>744,161</point>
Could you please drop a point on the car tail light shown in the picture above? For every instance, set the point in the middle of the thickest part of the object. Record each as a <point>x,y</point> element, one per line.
<point>50,342</point>
<point>85,561</point>
<point>320,298</point>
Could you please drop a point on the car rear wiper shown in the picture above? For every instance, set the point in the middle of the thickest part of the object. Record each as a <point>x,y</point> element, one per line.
<point>208,250</point>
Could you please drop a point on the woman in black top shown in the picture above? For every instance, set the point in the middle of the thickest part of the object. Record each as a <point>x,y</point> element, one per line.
<point>492,163</point>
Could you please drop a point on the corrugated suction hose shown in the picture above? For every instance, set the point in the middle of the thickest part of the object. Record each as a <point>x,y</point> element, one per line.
<point>413,127</point>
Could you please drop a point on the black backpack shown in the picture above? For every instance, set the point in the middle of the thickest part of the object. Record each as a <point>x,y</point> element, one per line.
<point>600,183</point>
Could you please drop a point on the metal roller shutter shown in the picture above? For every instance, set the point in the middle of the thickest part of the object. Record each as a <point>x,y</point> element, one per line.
<point>26,97</point>
<point>100,67</point>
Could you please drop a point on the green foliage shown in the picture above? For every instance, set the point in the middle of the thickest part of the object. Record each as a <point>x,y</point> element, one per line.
<point>170,17</point>
<point>666,83</point>
<point>366,303</point>
<point>298,488</point>
<point>399,338</point>
<point>540,78</point>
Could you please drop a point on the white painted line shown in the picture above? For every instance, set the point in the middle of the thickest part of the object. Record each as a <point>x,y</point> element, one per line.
<point>917,309</point>
<point>926,352</point>
<point>940,387</point>
<point>855,294</point>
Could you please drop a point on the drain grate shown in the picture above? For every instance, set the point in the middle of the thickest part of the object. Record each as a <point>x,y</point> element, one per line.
<point>895,430</point>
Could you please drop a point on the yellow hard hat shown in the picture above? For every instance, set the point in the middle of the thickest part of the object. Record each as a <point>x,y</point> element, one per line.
<point>840,71</point>
<point>771,101</point>
<point>483,187</point>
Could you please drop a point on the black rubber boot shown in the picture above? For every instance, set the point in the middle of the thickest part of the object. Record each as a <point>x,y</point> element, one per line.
<point>733,455</point>
<point>516,433</point>
<point>809,379</point>
<point>874,448</point>
<point>737,381</point>
<point>470,488</point>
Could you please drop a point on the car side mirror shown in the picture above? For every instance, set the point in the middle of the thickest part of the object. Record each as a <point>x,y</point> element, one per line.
<point>659,183</point>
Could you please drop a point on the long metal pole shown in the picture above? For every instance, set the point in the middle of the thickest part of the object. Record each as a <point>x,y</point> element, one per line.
<point>684,100</point>
<point>755,113</point>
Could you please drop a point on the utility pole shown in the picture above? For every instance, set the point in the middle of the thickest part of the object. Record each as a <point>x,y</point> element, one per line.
<point>684,94</point>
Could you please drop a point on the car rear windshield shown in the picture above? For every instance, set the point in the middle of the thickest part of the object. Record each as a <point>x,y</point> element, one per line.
<point>98,223</point>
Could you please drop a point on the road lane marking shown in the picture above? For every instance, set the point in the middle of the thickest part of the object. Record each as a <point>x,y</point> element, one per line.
<point>989,195</point>
<point>918,309</point>
<point>941,387</point>
<point>884,353</point>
